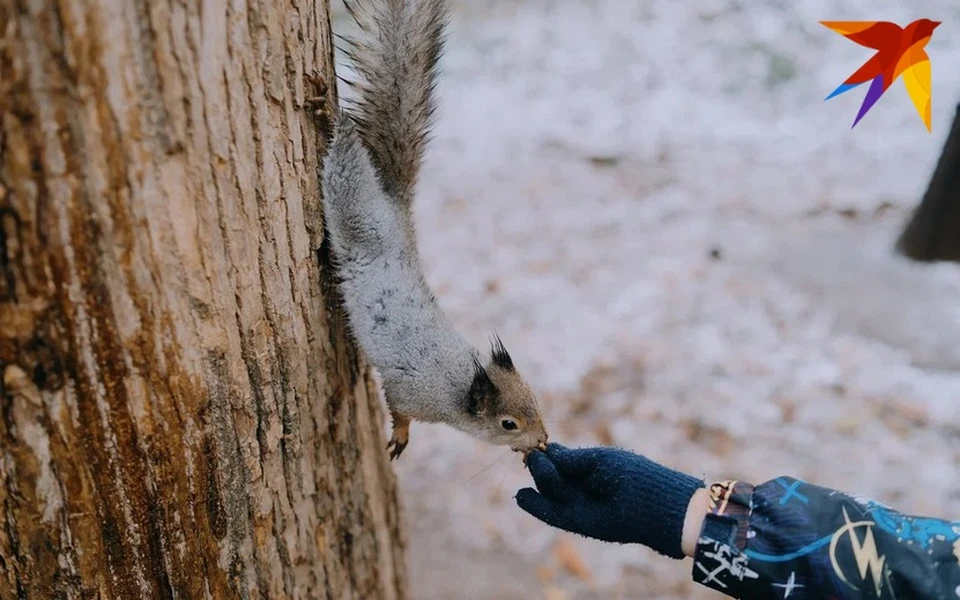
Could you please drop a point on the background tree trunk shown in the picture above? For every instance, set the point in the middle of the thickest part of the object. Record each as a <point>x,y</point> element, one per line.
<point>182,414</point>
<point>933,232</point>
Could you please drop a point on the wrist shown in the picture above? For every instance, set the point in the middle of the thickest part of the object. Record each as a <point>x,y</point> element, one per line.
<point>692,523</point>
<point>667,494</point>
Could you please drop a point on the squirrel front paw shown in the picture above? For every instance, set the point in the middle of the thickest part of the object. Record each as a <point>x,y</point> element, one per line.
<point>401,435</point>
<point>317,104</point>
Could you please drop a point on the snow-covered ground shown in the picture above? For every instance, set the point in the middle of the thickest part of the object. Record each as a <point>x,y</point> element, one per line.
<point>589,156</point>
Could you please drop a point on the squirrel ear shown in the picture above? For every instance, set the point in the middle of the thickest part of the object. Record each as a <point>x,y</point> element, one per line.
<point>482,390</point>
<point>499,353</point>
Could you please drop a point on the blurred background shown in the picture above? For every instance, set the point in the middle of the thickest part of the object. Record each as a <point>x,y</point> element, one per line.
<point>689,254</point>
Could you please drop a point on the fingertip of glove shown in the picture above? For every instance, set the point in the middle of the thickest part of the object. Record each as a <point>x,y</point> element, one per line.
<point>538,506</point>
<point>566,455</point>
<point>523,496</point>
<point>536,460</point>
<point>555,448</point>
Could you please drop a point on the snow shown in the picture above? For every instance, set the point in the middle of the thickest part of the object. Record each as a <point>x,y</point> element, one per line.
<point>588,156</point>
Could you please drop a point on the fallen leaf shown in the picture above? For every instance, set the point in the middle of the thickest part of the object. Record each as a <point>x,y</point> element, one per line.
<point>715,439</point>
<point>545,574</point>
<point>604,435</point>
<point>846,425</point>
<point>570,560</point>
<point>554,593</point>
<point>788,412</point>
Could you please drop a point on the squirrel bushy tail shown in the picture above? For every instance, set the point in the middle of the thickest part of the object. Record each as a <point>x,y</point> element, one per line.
<point>397,66</point>
<point>360,218</point>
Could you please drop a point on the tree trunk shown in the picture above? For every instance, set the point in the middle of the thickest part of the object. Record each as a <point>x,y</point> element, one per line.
<point>933,233</point>
<point>182,413</point>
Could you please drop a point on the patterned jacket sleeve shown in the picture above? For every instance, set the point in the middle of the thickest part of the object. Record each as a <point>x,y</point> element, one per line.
<point>790,539</point>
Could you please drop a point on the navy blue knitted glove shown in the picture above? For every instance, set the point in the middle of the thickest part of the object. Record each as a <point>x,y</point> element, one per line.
<point>611,495</point>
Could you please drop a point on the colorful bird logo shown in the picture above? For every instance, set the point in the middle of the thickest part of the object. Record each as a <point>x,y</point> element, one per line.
<point>899,52</point>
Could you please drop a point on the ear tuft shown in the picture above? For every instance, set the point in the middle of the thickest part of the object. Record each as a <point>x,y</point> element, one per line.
<point>482,390</point>
<point>499,353</point>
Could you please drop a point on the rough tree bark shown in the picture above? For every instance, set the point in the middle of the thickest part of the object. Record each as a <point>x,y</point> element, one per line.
<point>182,415</point>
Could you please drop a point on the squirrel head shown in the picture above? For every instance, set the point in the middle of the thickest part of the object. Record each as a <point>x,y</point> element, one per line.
<point>504,409</point>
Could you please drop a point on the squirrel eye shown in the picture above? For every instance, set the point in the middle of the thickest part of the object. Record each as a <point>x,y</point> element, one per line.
<point>508,424</point>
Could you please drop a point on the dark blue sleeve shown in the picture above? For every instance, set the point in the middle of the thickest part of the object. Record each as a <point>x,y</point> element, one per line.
<point>790,539</point>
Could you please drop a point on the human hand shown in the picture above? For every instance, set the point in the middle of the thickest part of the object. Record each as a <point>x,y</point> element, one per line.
<point>609,494</point>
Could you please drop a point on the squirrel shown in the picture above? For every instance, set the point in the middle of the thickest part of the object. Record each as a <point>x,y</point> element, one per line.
<point>429,372</point>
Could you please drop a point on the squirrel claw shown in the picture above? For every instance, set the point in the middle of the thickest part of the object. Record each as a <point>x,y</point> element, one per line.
<point>396,448</point>
<point>316,104</point>
<point>318,82</point>
<point>401,434</point>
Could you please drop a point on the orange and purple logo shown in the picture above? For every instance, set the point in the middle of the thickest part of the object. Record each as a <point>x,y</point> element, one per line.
<point>899,52</point>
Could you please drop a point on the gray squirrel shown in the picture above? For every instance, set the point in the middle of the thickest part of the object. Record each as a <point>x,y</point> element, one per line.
<point>429,371</point>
